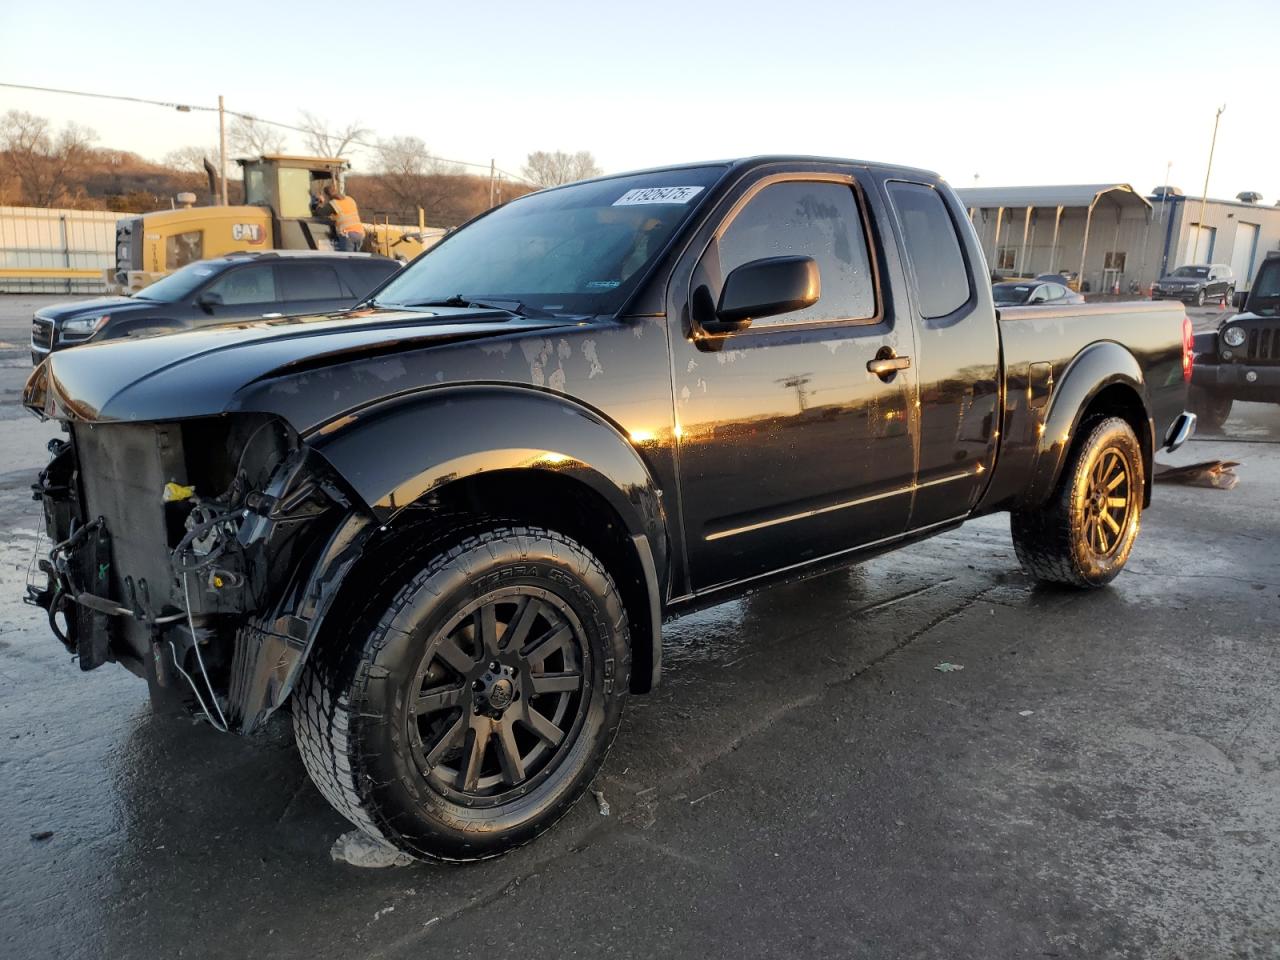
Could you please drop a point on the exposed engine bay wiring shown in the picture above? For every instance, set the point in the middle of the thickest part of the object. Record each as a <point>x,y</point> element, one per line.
<point>218,529</point>
<point>195,642</point>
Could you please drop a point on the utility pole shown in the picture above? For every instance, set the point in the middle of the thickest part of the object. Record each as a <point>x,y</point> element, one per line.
<point>491,184</point>
<point>1204,195</point>
<point>222,147</point>
<point>798,382</point>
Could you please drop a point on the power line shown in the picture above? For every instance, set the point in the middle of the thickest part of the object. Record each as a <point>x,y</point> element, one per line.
<point>189,107</point>
<point>180,107</point>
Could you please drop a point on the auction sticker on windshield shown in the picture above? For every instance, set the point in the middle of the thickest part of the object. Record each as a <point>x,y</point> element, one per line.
<point>657,195</point>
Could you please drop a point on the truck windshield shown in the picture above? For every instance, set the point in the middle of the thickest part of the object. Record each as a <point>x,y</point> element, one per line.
<point>1264,298</point>
<point>579,249</point>
<point>178,285</point>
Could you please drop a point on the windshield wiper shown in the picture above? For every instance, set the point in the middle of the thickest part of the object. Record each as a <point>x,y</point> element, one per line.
<point>458,300</point>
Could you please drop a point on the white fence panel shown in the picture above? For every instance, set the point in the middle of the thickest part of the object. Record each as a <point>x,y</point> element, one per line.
<point>37,240</point>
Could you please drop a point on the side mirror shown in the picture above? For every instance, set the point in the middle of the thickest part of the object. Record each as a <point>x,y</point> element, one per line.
<point>1238,298</point>
<point>209,300</point>
<point>765,288</point>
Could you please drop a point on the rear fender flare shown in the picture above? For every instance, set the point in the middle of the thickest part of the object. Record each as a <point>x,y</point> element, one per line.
<point>1095,368</point>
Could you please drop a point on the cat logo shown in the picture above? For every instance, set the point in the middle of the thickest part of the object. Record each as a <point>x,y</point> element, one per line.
<point>249,232</point>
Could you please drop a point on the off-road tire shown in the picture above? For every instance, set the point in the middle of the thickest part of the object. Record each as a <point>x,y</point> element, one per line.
<point>1051,542</point>
<point>352,719</point>
<point>1211,409</point>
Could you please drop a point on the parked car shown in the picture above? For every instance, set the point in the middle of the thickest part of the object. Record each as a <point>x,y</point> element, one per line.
<point>240,286</point>
<point>1241,359</point>
<point>1068,278</point>
<point>1030,292</point>
<point>451,524</point>
<point>1197,283</point>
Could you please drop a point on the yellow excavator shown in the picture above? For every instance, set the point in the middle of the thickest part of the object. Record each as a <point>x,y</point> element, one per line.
<point>276,215</point>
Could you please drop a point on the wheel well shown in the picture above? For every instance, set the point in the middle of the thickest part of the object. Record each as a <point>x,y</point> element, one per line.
<point>560,503</point>
<point>1121,400</point>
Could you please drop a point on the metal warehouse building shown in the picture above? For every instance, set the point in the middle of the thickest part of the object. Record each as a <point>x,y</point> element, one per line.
<point>1109,235</point>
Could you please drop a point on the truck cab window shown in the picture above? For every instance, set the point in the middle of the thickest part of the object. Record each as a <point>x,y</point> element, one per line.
<point>806,218</point>
<point>309,281</point>
<point>942,281</point>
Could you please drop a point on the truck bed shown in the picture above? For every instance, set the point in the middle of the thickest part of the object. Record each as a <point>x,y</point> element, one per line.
<point>1040,344</point>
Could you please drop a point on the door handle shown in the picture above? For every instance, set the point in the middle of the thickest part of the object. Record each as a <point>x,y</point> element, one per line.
<point>887,367</point>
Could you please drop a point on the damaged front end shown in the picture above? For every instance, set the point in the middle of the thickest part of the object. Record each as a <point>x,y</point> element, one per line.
<point>200,554</point>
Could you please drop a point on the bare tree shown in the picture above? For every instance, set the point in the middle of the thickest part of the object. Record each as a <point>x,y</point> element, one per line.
<point>191,159</point>
<point>253,137</point>
<point>324,142</point>
<point>45,164</point>
<point>550,169</point>
<point>414,178</point>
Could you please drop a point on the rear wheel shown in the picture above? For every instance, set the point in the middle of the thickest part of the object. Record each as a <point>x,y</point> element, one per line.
<point>479,704</point>
<point>1084,534</point>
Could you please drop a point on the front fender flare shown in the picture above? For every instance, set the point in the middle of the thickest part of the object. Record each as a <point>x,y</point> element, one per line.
<point>394,454</point>
<point>397,453</point>
<point>1095,368</point>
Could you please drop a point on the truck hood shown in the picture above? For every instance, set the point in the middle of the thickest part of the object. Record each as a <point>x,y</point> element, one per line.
<point>80,308</point>
<point>204,372</point>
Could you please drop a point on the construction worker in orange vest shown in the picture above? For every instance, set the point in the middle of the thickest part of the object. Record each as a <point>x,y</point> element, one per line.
<point>348,231</point>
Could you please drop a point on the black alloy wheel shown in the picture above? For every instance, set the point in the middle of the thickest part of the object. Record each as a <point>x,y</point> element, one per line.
<point>471,704</point>
<point>498,691</point>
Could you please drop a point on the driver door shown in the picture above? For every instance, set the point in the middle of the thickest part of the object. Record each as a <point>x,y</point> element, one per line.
<point>242,293</point>
<point>790,450</point>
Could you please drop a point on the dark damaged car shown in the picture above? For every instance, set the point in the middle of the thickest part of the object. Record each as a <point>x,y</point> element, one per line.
<point>449,525</point>
<point>239,286</point>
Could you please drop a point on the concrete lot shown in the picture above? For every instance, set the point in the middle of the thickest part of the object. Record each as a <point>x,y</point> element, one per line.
<point>1101,780</point>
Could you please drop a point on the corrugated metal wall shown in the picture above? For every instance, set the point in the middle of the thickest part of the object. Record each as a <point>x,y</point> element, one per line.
<point>36,238</point>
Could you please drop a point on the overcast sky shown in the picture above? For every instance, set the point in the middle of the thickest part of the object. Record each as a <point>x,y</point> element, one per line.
<point>1014,93</point>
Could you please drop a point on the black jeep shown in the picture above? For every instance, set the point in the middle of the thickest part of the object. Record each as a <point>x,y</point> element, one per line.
<point>1241,359</point>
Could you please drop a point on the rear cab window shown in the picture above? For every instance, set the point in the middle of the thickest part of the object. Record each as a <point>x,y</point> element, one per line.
<point>933,248</point>
<point>360,277</point>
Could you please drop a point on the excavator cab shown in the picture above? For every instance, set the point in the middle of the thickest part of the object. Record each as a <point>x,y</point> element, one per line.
<point>288,186</point>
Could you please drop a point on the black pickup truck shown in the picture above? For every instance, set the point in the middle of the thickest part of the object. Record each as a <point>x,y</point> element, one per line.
<point>1241,359</point>
<point>449,523</point>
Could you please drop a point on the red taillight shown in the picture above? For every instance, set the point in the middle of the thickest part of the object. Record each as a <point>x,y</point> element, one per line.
<point>1188,353</point>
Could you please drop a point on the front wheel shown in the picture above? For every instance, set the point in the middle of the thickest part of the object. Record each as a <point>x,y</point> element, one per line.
<point>1084,534</point>
<point>1211,409</point>
<point>480,702</point>
<point>1200,298</point>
